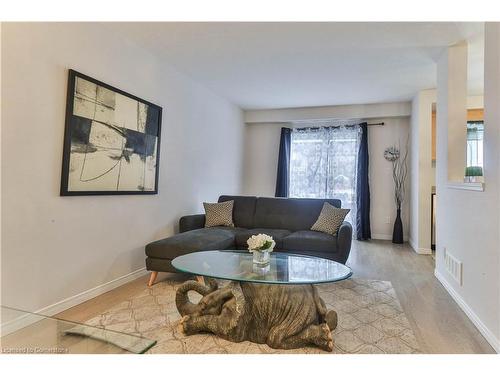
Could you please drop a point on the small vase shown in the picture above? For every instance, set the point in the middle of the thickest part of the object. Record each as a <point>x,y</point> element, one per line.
<point>261,257</point>
<point>397,234</point>
<point>261,270</point>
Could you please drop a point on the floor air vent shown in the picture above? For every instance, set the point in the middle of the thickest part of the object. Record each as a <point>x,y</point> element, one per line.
<point>453,266</point>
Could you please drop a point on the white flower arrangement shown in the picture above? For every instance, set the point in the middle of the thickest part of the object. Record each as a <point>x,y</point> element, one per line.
<point>261,242</point>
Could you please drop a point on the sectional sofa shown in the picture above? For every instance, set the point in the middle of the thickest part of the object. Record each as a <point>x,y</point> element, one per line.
<point>287,220</point>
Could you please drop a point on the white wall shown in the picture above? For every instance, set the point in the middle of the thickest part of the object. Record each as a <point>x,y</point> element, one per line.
<point>383,208</point>
<point>372,110</point>
<point>473,102</point>
<point>56,247</point>
<point>453,107</point>
<point>0,160</point>
<point>261,158</point>
<point>468,222</point>
<point>260,165</point>
<point>422,172</point>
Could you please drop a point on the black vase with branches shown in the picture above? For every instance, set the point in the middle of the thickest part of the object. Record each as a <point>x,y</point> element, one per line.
<point>399,174</point>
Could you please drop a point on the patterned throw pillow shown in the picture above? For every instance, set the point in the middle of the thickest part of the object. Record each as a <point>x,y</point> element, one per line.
<point>330,219</point>
<point>219,214</point>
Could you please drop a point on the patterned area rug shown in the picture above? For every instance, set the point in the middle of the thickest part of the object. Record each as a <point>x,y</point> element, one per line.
<point>370,320</point>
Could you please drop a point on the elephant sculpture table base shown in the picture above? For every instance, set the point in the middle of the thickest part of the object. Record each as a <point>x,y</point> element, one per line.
<point>281,316</point>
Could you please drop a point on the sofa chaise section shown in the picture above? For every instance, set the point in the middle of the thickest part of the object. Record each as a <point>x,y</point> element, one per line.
<point>160,253</point>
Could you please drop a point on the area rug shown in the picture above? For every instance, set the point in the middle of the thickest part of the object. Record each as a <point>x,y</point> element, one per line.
<point>370,320</point>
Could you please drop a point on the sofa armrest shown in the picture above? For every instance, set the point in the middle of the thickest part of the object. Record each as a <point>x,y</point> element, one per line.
<point>191,222</point>
<point>344,239</point>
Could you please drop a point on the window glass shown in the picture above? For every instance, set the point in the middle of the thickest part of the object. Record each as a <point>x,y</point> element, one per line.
<point>475,134</point>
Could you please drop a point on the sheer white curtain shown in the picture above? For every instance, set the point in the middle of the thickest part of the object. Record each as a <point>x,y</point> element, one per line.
<point>323,164</point>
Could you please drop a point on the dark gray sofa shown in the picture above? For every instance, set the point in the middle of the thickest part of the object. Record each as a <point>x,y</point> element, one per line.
<point>287,220</point>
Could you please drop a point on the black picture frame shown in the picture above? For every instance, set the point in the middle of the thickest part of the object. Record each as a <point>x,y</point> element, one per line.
<point>65,173</point>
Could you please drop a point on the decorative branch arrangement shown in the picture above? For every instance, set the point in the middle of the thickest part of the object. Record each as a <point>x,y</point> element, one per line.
<point>399,174</point>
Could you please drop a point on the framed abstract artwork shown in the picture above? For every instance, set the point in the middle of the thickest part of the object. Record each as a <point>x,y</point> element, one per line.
<point>111,140</point>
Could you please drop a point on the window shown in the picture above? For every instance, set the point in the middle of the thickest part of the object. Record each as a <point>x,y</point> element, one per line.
<point>323,164</point>
<point>475,134</point>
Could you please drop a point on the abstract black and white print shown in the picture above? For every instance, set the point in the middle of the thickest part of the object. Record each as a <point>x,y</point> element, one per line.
<point>113,140</point>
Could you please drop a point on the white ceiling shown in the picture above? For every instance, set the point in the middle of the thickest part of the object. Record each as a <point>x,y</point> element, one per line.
<point>281,65</point>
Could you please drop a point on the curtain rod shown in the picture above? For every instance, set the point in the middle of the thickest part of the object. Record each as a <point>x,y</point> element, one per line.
<point>337,126</point>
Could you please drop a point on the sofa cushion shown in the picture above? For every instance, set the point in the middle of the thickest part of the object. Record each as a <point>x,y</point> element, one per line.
<point>214,238</point>
<point>243,211</point>
<point>219,214</point>
<point>330,219</point>
<point>310,241</point>
<point>276,234</point>
<point>289,213</point>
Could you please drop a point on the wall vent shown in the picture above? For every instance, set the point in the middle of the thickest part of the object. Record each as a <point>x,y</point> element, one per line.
<point>453,266</point>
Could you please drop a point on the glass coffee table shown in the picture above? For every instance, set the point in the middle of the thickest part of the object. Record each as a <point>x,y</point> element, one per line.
<point>277,305</point>
<point>24,332</point>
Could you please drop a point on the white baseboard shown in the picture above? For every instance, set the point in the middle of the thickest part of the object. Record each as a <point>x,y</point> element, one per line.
<point>419,250</point>
<point>487,334</point>
<point>27,319</point>
<point>21,321</point>
<point>423,251</point>
<point>91,293</point>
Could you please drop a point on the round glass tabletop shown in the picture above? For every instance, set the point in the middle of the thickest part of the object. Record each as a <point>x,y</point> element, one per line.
<point>283,268</point>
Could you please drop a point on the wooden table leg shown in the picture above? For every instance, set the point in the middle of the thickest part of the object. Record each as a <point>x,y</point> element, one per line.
<point>152,278</point>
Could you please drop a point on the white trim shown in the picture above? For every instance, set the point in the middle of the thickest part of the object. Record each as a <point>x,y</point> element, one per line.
<point>471,186</point>
<point>487,334</point>
<point>18,323</point>
<point>91,293</point>
<point>419,250</point>
<point>27,319</point>
<point>423,251</point>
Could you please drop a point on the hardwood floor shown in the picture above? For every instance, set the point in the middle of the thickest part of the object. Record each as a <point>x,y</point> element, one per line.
<point>439,324</point>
